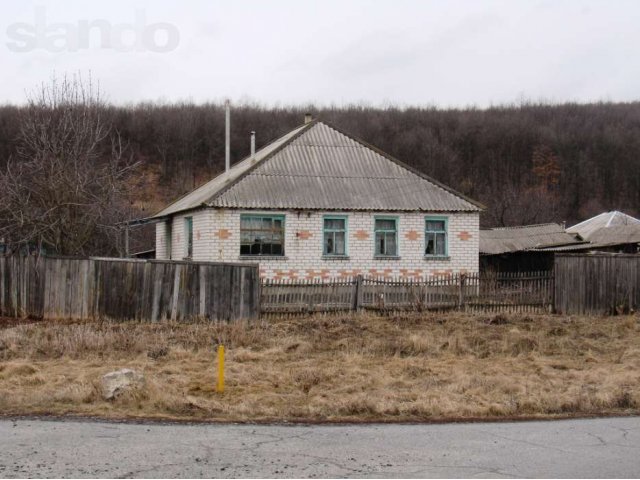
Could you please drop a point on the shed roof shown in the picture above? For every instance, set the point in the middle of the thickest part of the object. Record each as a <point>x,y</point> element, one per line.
<point>603,220</point>
<point>618,235</point>
<point>604,237</point>
<point>317,166</point>
<point>528,237</point>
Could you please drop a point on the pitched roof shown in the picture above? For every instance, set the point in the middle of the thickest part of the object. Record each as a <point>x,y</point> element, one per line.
<point>317,166</point>
<point>201,195</point>
<point>604,220</point>
<point>617,235</point>
<point>528,237</point>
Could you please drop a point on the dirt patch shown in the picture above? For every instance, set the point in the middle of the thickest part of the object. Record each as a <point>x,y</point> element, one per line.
<point>410,367</point>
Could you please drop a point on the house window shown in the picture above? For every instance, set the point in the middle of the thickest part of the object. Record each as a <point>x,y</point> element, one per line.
<point>188,237</point>
<point>436,237</point>
<point>335,236</point>
<point>167,236</point>
<point>262,235</point>
<point>386,235</point>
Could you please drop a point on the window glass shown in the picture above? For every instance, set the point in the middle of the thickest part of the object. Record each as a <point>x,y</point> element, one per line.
<point>168,234</point>
<point>385,224</point>
<point>261,235</point>
<point>435,225</point>
<point>188,226</point>
<point>436,238</point>
<point>386,237</point>
<point>334,236</point>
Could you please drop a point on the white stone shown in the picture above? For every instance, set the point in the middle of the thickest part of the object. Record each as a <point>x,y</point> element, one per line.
<point>115,383</point>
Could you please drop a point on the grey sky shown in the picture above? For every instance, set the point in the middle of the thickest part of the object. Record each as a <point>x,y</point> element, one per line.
<point>445,53</point>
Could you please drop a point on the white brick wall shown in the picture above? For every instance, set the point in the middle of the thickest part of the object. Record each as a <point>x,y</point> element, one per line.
<point>216,236</point>
<point>202,237</point>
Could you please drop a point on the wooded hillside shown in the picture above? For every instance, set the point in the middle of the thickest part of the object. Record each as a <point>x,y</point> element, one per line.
<point>529,164</point>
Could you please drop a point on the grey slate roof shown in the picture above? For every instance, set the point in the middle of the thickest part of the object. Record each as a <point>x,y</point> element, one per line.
<point>607,237</point>
<point>529,237</point>
<point>201,195</point>
<point>317,166</point>
<point>604,220</point>
<point>618,235</point>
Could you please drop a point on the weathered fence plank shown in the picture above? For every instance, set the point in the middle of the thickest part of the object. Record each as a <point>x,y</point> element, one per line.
<point>145,290</point>
<point>596,284</point>
<point>516,293</point>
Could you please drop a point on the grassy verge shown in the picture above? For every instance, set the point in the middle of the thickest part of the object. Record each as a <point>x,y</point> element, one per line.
<point>343,368</point>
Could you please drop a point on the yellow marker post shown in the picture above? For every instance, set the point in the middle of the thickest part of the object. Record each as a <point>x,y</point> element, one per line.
<point>220,387</point>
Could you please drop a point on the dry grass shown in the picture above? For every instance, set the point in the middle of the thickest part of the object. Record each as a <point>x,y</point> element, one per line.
<point>339,368</point>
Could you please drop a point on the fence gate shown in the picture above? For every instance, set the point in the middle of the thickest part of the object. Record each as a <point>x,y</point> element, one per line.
<point>596,284</point>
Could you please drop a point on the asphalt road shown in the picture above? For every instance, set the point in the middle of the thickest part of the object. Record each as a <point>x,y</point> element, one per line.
<point>568,448</point>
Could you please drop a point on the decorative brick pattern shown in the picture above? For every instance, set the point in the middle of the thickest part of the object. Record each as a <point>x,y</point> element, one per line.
<point>322,274</point>
<point>415,274</point>
<point>349,273</point>
<point>304,234</point>
<point>220,241</point>
<point>442,273</point>
<point>411,235</point>
<point>223,234</point>
<point>386,272</point>
<point>290,274</point>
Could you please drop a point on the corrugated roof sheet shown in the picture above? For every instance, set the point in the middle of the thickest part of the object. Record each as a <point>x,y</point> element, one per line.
<point>604,220</point>
<point>202,194</point>
<point>319,167</point>
<point>618,235</point>
<point>528,237</point>
<point>605,237</point>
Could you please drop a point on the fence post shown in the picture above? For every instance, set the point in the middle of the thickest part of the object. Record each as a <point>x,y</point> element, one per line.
<point>461,292</point>
<point>357,293</point>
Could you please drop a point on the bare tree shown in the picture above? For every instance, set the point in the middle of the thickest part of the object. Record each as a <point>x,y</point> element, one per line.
<point>66,187</point>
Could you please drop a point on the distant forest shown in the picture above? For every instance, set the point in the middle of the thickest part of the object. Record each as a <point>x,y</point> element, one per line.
<point>530,163</point>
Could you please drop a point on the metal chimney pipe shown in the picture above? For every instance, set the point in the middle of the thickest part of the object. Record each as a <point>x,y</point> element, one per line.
<point>253,144</point>
<point>227,136</point>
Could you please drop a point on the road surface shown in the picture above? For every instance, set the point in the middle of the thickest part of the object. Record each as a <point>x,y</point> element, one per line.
<point>607,447</point>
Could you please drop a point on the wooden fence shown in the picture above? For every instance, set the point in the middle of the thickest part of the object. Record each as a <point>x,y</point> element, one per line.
<point>595,284</point>
<point>148,290</point>
<point>507,292</point>
<point>154,290</point>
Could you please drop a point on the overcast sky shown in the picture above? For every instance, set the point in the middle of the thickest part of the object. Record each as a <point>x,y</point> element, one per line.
<point>443,53</point>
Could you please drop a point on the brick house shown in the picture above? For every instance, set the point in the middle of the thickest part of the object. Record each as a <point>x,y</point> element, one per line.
<point>318,203</point>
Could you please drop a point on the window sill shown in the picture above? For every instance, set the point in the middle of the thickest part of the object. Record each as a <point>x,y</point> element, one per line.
<point>336,257</point>
<point>386,257</point>
<point>262,257</point>
<point>435,258</point>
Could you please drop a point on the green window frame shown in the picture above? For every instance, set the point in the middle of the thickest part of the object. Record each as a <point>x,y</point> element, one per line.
<point>168,232</point>
<point>262,235</point>
<point>385,236</point>
<point>334,235</point>
<point>436,236</point>
<point>188,237</point>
